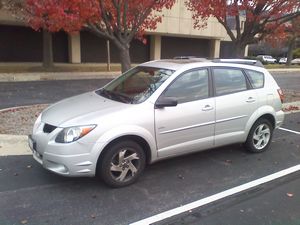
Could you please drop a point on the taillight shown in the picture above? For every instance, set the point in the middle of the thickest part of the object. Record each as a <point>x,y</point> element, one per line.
<point>281,95</point>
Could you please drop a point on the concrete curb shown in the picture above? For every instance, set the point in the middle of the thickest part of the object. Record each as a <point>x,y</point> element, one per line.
<point>21,107</point>
<point>284,70</point>
<point>17,144</point>
<point>14,145</point>
<point>16,77</point>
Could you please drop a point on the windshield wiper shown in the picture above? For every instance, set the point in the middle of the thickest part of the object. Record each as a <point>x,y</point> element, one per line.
<point>115,96</point>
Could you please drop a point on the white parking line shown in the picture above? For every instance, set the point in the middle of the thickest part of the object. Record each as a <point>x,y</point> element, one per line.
<point>218,196</point>
<point>292,131</point>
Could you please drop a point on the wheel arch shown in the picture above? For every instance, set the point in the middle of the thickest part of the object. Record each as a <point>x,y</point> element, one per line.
<point>269,116</point>
<point>138,139</point>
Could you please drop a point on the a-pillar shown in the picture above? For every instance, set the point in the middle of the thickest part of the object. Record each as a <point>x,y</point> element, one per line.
<point>74,48</point>
<point>215,48</point>
<point>155,47</point>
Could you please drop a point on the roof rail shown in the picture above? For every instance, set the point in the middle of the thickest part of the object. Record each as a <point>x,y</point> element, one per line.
<point>190,59</point>
<point>250,62</point>
<point>184,57</point>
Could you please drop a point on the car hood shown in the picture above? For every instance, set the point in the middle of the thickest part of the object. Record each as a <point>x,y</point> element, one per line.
<point>79,106</point>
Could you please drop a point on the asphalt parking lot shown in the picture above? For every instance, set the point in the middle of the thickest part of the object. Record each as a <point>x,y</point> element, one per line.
<point>31,195</point>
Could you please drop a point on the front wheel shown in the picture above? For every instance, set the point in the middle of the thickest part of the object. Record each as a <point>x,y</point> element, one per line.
<point>260,136</point>
<point>122,164</point>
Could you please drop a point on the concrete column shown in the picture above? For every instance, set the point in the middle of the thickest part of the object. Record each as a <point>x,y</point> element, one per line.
<point>74,48</point>
<point>215,48</point>
<point>246,51</point>
<point>155,47</point>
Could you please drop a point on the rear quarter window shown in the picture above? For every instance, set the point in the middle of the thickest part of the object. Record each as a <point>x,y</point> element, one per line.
<point>257,79</point>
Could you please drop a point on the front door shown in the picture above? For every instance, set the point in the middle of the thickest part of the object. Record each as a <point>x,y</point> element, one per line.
<point>189,126</point>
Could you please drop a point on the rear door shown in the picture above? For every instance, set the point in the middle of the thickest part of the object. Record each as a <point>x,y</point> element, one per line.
<point>236,101</point>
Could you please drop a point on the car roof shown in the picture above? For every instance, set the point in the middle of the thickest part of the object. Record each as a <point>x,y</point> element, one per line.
<point>177,63</point>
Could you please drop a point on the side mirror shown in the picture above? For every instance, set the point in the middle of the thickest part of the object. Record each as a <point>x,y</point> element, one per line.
<point>165,102</point>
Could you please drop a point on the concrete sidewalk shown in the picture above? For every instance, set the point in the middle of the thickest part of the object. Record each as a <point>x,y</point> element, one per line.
<point>17,144</point>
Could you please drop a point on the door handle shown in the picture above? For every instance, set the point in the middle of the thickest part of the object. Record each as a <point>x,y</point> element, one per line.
<point>207,108</point>
<point>250,99</point>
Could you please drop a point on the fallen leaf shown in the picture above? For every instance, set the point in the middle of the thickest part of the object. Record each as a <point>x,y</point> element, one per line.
<point>181,177</point>
<point>291,108</point>
<point>290,194</point>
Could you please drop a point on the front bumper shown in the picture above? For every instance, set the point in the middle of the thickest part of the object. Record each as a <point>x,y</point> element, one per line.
<point>56,157</point>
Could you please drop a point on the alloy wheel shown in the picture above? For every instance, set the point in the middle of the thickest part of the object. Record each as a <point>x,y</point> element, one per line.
<point>261,136</point>
<point>124,165</point>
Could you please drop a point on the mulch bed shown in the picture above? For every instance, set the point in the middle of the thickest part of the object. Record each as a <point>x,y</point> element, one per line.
<point>19,121</point>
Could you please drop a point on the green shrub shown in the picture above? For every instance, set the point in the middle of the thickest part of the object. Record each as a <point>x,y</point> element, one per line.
<point>296,53</point>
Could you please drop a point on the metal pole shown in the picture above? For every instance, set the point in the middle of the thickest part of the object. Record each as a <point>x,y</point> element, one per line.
<point>108,55</point>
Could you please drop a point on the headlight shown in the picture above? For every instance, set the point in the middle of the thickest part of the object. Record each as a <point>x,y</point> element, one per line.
<point>70,134</point>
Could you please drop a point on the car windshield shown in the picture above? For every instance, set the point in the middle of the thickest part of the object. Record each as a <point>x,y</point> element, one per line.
<point>136,85</point>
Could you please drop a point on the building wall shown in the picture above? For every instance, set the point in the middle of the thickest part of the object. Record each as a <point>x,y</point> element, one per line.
<point>178,21</point>
<point>226,49</point>
<point>19,44</point>
<point>22,44</point>
<point>94,49</point>
<point>173,37</point>
<point>184,47</point>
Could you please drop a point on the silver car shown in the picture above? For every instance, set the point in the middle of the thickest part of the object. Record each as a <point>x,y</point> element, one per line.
<point>158,110</point>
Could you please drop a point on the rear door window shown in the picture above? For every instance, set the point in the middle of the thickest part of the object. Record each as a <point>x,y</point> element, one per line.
<point>229,80</point>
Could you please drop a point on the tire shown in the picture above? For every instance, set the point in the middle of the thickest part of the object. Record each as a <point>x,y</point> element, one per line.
<point>260,136</point>
<point>122,164</point>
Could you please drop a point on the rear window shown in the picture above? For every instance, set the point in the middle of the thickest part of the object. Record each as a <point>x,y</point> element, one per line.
<point>256,78</point>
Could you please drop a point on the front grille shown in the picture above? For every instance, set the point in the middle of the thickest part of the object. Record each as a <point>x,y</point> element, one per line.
<point>48,128</point>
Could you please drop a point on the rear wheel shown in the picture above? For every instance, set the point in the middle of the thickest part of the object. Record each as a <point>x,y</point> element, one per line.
<point>122,164</point>
<point>260,136</point>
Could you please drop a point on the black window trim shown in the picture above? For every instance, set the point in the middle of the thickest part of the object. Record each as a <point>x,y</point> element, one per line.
<point>210,83</point>
<point>248,84</point>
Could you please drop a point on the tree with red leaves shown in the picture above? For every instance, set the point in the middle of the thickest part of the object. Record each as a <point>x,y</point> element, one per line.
<point>287,35</point>
<point>116,20</point>
<point>246,21</point>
